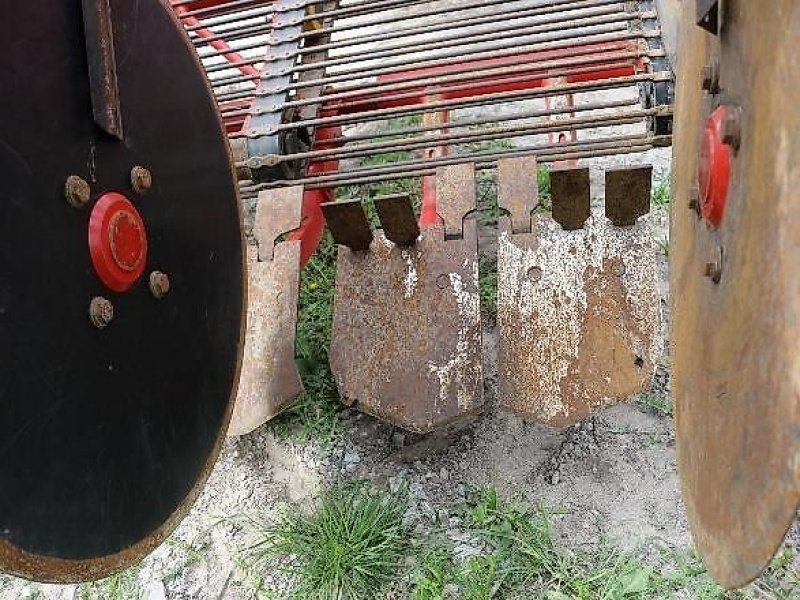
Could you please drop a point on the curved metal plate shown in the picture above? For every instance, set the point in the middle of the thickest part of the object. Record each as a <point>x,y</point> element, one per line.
<point>737,343</point>
<point>107,435</point>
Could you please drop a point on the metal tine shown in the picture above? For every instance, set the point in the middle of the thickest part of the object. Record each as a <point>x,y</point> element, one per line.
<point>455,196</point>
<point>518,190</point>
<point>348,224</point>
<point>396,214</point>
<point>570,193</point>
<point>628,194</point>
<point>278,211</point>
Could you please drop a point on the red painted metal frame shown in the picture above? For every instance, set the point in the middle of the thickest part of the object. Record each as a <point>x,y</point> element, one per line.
<point>605,64</point>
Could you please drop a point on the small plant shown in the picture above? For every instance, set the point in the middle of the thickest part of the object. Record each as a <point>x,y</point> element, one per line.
<point>432,573</point>
<point>350,548</point>
<point>661,195</point>
<point>658,403</point>
<point>120,586</point>
<point>487,285</point>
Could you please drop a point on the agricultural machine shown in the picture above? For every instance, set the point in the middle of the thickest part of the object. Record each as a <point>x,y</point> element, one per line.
<point>167,169</point>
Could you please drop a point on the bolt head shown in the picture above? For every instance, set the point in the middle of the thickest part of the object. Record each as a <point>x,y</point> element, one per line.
<point>141,180</point>
<point>77,191</point>
<point>159,284</point>
<point>710,76</point>
<point>101,312</point>
<point>732,128</point>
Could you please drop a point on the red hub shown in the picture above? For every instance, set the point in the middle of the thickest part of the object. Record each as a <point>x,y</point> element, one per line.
<point>714,172</point>
<point>117,242</point>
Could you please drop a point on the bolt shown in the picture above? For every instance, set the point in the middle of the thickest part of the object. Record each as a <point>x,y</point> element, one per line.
<point>714,268</point>
<point>732,128</point>
<point>101,311</point>
<point>141,180</point>
<point>442,281</point>
<point>159,284</point>
<point>77,191</point>
<point>711,77</point>
<point>694,200</point>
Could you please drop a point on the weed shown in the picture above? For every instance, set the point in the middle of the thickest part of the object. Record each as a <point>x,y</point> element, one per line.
<point>487,285</point>
<point>316,415</point>
<point>661,195</point>
<point>433,572</point>
<point>120,586</point>
<point>349,548</point>
<point>481,578</point>
<point>661,404</point>
<point>663,247</point>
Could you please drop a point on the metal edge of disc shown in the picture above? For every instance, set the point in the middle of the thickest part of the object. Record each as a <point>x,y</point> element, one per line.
<point>47,569</point>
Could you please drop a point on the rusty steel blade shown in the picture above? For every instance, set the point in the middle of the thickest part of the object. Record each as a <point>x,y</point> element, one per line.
<point>577,310</point>
<point>269,379</point>
<point>406,343</point>
<point>736,333</point>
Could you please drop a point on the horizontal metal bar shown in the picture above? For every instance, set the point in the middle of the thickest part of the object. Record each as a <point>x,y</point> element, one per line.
<point>496,133</point>
<point>379,114</point>
<point>557,23</point>
<point>552,153</point>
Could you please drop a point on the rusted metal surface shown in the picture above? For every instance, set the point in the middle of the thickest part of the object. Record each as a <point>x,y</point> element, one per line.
<point>518,190</point>
<point>628,194</point>
<point>99,33</point>
<point>406,343</point>
<point>577,313</point>
<point>348,224</point>
<point>396,214</point>
<point>569,190</point>
<point>736,358</point>
<point>270,380</point>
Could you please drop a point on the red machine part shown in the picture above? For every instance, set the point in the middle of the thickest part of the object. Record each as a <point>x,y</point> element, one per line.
<point>714,170</point>
<point>465,79</point>
<point>117,242</point>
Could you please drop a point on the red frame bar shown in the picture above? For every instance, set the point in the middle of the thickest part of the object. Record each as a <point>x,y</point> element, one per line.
<point>313,223</point>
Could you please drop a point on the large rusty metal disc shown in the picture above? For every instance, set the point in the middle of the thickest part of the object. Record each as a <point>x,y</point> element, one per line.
<point>106,434</point>
<point>736,286</point>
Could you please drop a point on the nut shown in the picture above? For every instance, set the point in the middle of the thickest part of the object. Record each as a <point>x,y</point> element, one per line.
<point>694,200</point>
<point>714,268</point>
<point>732,128</point>
<point>159,284</point>
<point>101,312</point>
<point>711,77</point>
<point>141,180</point>
<point>77,191</point>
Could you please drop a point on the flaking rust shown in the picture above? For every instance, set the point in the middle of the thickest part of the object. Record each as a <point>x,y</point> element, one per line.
<point>406,343</point>
<point>577,310</point>
<point>269,379</point>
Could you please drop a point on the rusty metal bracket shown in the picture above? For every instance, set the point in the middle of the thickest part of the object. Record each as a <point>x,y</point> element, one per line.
<point>99,34</point>
<point>348,224</point>
<point>628,192</point>
<point>569,190</point>
<point>406,343</point>
<point>577,308</point>
<point>269,379</point>
<point>397,219</point>
<point>708,15</point>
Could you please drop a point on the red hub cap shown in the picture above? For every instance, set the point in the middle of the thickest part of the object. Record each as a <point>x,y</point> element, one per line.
<point>117,242</point>
<point>714,172</point>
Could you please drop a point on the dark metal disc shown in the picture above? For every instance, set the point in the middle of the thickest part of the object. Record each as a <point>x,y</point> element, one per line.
<point>106,435</point>
<point>735,289</point>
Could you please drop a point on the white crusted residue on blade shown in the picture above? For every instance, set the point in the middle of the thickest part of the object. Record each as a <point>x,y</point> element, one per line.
<point>459,371</point>
<point>546,288</point>
<point>410,280</point>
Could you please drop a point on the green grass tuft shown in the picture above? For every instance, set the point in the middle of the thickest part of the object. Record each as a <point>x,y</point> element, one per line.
<point>661,404</point>
<point>120,586</point>
<point>662,195</point>
<point>351,547</point>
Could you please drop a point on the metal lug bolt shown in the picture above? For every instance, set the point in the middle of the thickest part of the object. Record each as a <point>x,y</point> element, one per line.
<point>714,268</point>
<point>101,312</point>
<point>141,180</point>
<point>711,77</point>
<point>77,191</point>
<point>732,128</point>
<point>159,284</point>
<point>694,200</point>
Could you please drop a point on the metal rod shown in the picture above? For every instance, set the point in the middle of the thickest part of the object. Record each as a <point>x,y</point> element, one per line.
<point>514,12</point>
<point>379,114</point>
<point>225,8</point>
<point>542,8</point>
<point>558,23</point>
<point>417,143</point>
<point>421,168</point>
